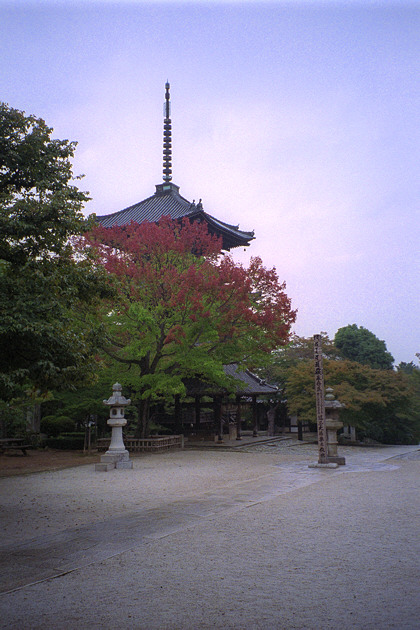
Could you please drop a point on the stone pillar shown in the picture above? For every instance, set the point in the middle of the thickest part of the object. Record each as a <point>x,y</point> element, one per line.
<point>271,420</point>
<point>333,424</point>
<point>232,431</point>
<point>117,455</point>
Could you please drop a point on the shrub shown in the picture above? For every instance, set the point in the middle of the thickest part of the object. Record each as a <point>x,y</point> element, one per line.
<point>55,425</point>
<point>68,442</point>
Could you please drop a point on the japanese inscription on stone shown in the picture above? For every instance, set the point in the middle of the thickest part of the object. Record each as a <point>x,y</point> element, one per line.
<point>320,402</point>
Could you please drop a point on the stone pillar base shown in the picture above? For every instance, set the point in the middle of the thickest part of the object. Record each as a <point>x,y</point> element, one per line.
<point>336,459</point>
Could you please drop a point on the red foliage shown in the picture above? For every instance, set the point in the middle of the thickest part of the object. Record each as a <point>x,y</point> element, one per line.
<point>176,271</point>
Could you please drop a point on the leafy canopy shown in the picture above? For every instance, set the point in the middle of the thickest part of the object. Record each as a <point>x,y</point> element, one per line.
<point>183,310</point>
<point>381,404</point>
<point>40,207</point>
<point>44,290</point>
<point>361,345</point>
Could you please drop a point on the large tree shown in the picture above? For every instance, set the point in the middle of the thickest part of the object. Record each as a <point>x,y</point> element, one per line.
<point>283,360</point>
<point>361,345</point>
<point>297,350</point>
<point>183,309</point>
<point>381,404</point>
<point>44,289</point>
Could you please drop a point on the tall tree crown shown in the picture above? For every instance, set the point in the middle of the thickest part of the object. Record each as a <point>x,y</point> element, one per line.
<point>361,345</point>
<point>43,342</point>
<point>40,207</point>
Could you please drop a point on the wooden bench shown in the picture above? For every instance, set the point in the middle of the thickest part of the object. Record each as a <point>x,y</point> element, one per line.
<point>14,444</point>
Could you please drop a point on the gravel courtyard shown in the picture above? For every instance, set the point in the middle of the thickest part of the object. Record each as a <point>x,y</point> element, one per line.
<point>251,539</point>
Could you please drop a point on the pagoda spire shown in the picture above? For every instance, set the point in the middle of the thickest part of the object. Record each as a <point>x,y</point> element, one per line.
<point>167,137</point>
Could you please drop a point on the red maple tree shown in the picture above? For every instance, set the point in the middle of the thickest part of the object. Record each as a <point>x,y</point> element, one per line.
<point>184,308</point>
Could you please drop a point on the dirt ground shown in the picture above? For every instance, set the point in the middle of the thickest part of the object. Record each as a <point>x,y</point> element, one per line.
<point>38,460</point>
<point>242,539</point>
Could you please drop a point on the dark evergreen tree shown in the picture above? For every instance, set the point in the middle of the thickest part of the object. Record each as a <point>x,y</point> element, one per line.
<point>361,345</point>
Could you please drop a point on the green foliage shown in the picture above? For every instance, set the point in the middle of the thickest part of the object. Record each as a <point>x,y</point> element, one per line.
<point>85,403</point>
<point>56,425</point>
<point>298,349</point>
<point>379,403</point>
<point>183,309</point>
<point>40,208</point>
<point>12,418</point>
<point>407,368</point>
<point>45,291</point>
<point>67,442</point>
<point>361,345</point>
<point>382,404</point>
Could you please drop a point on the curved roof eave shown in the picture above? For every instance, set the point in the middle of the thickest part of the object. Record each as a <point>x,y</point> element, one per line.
<point>174,205</point>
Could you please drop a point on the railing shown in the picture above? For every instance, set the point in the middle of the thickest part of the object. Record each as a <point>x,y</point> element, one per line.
<point>146,445</point>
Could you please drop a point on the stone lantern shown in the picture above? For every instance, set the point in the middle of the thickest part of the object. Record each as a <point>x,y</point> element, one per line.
<point>117,455</point>
<point>333,424</point>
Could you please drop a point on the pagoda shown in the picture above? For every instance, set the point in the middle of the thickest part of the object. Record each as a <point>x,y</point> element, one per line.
<point>167,201</point>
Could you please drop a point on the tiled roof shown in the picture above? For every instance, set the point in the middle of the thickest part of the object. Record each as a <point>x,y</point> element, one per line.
<point>168,202</point>
<point>249,383</point>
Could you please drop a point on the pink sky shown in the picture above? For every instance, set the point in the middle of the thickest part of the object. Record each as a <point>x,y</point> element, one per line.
<point>298,120</point>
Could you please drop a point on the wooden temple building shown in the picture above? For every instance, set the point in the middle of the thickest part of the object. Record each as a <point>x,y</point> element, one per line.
<point>226,416</point>
<point>167,201</point>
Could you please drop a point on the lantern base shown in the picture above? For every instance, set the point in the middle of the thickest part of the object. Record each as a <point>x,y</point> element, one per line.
<point>104,467</point>
<point>110,461</point>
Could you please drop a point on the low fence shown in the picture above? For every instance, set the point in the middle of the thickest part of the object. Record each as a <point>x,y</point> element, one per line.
<point>146,445</point>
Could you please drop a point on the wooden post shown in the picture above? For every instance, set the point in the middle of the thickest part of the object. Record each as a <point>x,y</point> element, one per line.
<point>320,402</point>
<point>254,416</point>
<point>218,420</point>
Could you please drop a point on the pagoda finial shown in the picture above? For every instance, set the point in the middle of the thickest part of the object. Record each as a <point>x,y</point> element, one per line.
<point>167,137</point>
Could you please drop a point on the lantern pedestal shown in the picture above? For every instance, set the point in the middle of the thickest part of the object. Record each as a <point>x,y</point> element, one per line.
<point>333,424</point>
<point>332,427</point>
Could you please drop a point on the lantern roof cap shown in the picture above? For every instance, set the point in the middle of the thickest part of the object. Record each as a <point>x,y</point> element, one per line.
<point>117,399</point>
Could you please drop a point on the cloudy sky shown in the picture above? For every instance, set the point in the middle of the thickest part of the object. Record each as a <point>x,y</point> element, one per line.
<point>298,120</point>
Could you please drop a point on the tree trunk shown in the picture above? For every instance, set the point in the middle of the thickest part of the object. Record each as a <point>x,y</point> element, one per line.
<point>238,418</point>
<point>143,429</point>
<point>33,418</point>
<point>300,430</point>
<point>178,416</point>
